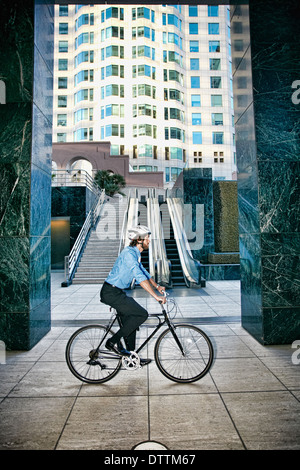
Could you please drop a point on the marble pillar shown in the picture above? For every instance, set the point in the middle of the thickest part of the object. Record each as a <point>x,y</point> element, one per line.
<point>26,68</point>
<point>265,54</point>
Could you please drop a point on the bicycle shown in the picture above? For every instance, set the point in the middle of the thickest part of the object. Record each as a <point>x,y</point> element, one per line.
<point>183,353</point>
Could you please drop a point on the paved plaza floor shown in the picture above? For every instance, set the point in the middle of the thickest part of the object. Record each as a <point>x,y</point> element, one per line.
<point>250,399</point>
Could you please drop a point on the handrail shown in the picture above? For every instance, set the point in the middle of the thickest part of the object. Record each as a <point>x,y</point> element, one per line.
<point>160,266</point>
<point>71,260</point>
<point>130,218</point>
<point>74,178</point>
<point>190,266</point>
<point>124,224</point>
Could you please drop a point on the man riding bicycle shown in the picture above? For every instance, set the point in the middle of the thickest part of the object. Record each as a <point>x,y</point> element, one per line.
<point>128,268</point>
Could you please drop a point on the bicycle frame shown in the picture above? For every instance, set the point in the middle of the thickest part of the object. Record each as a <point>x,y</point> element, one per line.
<point>161,323</point>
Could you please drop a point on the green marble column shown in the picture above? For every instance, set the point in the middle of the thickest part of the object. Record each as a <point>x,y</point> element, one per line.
<point>26,68</point>
<point>265,54</point>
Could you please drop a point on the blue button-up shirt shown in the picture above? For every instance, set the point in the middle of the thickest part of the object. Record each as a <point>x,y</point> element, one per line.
<point>127,267</point>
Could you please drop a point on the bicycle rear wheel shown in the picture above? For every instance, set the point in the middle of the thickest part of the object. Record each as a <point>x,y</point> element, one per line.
<point>86,360</point>
<point>189,364</point>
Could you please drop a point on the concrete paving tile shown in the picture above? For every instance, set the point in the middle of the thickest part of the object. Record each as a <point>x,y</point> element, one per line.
<point>11,374</point>
<point>47,379</point>
<point>271,350</point>
<point>243,374</point>
<point>238,329</point>
<point>296,394</point>
<point>231,346</point>
<point>125,383</point>
<point>283,368</point>
<point>266,420</point>
<point>32,423</point>
<point>61,309</point>
<point>197,422</point>
<point>101,423</point>
<point>160,385</point>
<point>33,354</point>
<point>217,330</point>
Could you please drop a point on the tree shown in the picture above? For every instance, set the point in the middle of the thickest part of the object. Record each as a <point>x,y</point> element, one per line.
<point>112,183</point>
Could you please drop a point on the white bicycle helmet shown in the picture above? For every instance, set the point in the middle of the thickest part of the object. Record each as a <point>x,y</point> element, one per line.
<point>139,231</point>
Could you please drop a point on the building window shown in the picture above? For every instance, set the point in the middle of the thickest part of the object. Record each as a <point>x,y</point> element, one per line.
<point>142,12</point>
<point>81,134</point>
<point>218,138</point>
<point>63,10</point>
<point>193,10</point>
<point>196,100</point>
<point>217,119</point>
<point>213,28</point>
<point>82,76</point>
<point>197,138</point>
<point>214,46</point>
<point>213,10</point>
<point>62,82</point>
<point>114,90</point>
<point>63,28</point>
<point>61,137</point>
<point>193,28</point>
<point>176,153</point>
<point>194,46</point>
<point>194,64</point>
<point>61,120</point>
<point>112,12</point>
<point>84,38</point>
<point>62,64</point>
<point>216,100</point>
<point>63,46</point>
<point>215,64</point>
<point>81,115</point>
<point>81,95</point>
<point>215,82</point>
<point>195,82</point>
<point>145,150</point>
<point>196,119</point>
<point>62,101</point>
<point>175,172</point>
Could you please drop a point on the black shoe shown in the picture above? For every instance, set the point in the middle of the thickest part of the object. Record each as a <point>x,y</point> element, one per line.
<point>144,362</point>
<point>113,347</point>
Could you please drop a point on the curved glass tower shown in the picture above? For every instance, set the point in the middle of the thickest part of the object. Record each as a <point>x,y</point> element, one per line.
<point>154,80</point>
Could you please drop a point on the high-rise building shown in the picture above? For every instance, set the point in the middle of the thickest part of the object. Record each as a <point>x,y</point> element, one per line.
<point>154,80</point>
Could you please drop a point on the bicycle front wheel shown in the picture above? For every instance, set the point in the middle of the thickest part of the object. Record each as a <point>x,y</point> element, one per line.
<point>183,353</point>
<point>86,360</point>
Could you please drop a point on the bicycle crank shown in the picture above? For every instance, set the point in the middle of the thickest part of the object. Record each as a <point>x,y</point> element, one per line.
<point>131,362</point>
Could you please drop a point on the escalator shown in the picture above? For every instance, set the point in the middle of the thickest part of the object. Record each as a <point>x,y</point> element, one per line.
<point>142,220</point>
<point>173,257</point>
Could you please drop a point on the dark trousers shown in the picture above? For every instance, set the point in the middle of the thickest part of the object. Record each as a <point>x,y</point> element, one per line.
<point>131,314</point>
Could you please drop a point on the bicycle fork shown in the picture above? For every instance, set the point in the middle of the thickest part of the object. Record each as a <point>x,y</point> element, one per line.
<point>172,329</point>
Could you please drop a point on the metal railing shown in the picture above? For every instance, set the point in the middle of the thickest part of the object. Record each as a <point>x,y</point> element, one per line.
<point>190,266</point>
<point>71,261</point>
<point>74,178</point>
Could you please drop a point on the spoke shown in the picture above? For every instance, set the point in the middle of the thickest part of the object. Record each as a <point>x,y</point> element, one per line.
<point>196,354</point>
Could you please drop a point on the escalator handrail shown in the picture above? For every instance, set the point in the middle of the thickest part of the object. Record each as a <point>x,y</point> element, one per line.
<point>190,266</point>
<point>160,266</point>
